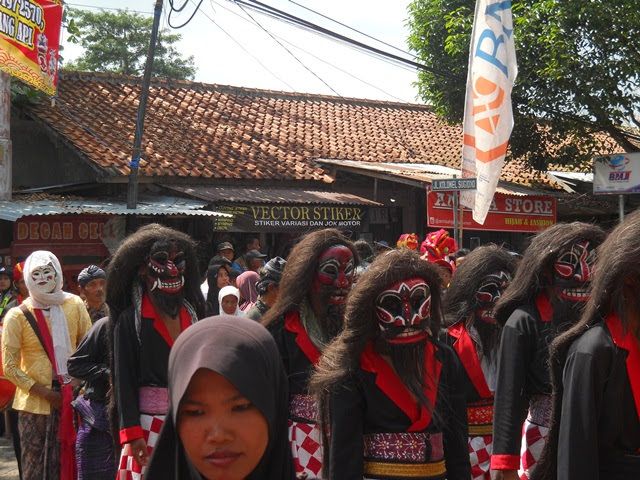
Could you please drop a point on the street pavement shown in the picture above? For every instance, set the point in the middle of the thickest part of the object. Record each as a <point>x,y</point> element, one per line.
<point>8,465</point>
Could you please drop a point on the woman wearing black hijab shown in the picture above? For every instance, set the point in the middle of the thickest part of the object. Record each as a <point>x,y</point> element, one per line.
<point>245,354</point>
<point>217,278</point>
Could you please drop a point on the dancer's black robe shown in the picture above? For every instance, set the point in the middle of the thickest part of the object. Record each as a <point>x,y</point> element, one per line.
<point>599,431</point>
<point>374,400</point>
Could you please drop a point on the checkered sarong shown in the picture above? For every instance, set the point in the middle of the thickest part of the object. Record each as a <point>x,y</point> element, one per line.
<point>129,469</point>
<point>480,448</point>
<point>306,449</point>
<point>534,438</point>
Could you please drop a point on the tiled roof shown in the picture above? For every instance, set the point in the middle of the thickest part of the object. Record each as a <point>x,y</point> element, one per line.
<point>200,131</point>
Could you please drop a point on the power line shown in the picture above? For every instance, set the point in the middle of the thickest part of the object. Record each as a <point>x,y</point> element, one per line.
<point>284,16</point>
<point>346,72</point>
<point>352,28</point>
<point>98,7</point>
<point>289,51</point>
<point>245,50</point>
<point>178,10</point>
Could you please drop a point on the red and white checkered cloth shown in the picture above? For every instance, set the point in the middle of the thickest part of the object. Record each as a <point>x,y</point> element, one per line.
<point>534,438</point>
<point>128,468</point>
<point>480,449</point>
<point>306,449</point>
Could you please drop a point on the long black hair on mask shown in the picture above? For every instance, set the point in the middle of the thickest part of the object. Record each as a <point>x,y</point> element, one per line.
<point>459,300</point>
<point>300,270</point>
<point>124,270</point>
<point>536,267</point>
<point>342,356</point>
<point>617,263</point>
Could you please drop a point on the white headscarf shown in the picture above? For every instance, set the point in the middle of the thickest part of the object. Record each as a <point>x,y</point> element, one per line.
<point>230,290</point>
<point>52,301</point>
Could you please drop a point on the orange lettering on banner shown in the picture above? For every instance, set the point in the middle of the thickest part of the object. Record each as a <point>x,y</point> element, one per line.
<point>45,231</point>
<point>83,231</point>
<point>23,231</point>
<point>56,232</point>
<point>33,231</point>
<point>94,233</point>
<point>489,155</point>
<point>67,231</point>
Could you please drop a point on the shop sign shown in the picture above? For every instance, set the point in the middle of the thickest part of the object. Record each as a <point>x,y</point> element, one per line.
<point>59,229</point>
<point>617,174</point>
<point>531,213</point>
<point>286,218</point>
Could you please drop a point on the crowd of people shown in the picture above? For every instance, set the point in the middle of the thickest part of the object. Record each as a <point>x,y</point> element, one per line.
<point>344,361</point>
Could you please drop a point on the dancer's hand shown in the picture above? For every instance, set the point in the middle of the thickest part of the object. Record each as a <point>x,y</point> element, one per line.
<point>504,475</point>
<point>54,399</point>
<point>140,452</point>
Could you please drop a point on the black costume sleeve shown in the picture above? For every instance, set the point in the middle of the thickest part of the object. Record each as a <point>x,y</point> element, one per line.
<point>511,402</point>
<point>583,380</point>
<point>346,445</point>
<point>126,361</point>
<point>88,362</point>
<point>277,332</point>
<point>456,430</point>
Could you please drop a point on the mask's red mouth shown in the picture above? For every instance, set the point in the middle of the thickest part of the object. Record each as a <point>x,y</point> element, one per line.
<point>574,294</point>
<point>170,285</point>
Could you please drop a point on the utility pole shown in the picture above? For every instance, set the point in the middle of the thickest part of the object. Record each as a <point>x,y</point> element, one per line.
<point>132,192</point>
<point>5,136</point>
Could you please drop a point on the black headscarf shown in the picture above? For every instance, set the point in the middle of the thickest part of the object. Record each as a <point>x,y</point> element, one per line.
<point>243,352</point>
<point>215,264</point>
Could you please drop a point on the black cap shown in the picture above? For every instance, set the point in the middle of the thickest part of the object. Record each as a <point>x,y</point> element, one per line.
<point>251,254</point>
<point>225,246</point>
<point>92,272</point>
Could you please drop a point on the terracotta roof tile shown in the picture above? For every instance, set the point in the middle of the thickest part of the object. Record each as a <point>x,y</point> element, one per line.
<point>213,131</point>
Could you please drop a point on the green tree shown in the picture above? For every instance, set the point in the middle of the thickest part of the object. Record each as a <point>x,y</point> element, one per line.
<point>119,41</point>
<point>577,71</point>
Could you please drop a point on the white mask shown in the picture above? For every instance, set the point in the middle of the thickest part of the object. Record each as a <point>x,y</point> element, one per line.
<point>44,278</point>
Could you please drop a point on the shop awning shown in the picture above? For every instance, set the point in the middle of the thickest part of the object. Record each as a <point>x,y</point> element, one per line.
<point>23,206</point>
<point>236,194</point>
<point>416,174</point>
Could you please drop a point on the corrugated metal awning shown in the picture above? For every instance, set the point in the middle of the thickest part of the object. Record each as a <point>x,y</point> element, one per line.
<point>417,174</point>
<point>233,194</point>
<point>163,205</point>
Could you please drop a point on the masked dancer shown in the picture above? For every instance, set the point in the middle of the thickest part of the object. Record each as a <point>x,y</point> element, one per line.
<point>37,340</point>
<point>595,427</point>
<point>153,293</point>
<point>474,335</point>
<point>390,393</point>
<point>306,317</point>
<point>545,298</point>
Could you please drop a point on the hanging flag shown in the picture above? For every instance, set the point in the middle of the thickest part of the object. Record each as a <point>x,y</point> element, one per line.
<point>30,40</point>
<point>488,118</point>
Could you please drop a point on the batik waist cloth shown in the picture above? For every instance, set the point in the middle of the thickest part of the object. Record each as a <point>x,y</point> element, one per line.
<point>540,408</point>
<point>404,455</point>
<point>480,417</point>
<point>303,408</point>
<point>153,400</point>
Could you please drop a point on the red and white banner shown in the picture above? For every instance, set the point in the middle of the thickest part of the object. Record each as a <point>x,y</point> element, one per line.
<point>507,213</point>
<point>488,118</point>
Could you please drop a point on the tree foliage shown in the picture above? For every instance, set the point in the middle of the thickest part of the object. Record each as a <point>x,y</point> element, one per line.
<point>578,71</point>
<point>119,42</point>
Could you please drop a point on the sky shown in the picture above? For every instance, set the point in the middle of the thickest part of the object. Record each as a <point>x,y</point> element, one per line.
<point>248,56</point>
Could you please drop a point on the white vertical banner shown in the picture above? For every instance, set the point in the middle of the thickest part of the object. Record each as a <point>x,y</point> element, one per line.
<point>488,117</point>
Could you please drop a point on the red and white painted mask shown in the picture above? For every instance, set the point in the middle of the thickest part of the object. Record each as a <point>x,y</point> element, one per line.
<point>334,276</point>
<point>489,292</point>
<point>165,269</point>
<point>572,272</point>
<point>403,311</point>
<point>44,278</point>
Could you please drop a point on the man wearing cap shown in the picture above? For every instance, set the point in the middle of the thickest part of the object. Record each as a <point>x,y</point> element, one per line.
<point>267,287</point>
<point>92,282</point>
<point>225,249</point>
<point>255,260</point>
